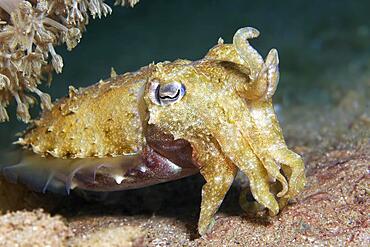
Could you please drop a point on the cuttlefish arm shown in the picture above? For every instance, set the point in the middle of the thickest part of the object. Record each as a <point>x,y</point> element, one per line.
<point>219,173</point>
<point>270,142</point>
<point>261,129</point>
<point>271,145</point>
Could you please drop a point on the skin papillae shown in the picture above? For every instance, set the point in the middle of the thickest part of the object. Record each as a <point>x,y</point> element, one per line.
<point>224,122</point>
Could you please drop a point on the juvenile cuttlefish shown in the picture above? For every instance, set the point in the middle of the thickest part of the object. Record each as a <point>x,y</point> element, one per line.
<point>167,121</point>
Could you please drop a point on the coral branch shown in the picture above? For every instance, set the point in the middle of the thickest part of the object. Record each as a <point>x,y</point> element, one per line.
<point>29,30</point>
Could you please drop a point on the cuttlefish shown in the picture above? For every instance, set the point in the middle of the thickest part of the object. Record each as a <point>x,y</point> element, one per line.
<point>167,121</point>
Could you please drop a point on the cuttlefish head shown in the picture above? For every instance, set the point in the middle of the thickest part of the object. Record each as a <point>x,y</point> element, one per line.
<point>191,100</point>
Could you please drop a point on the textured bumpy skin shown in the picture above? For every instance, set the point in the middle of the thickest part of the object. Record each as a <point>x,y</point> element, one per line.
<point>102,120</point>
<point>220,120</point>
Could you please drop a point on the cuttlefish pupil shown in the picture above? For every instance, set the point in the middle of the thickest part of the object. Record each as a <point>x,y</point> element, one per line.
<point>167,121</point>
<point>166,94</point>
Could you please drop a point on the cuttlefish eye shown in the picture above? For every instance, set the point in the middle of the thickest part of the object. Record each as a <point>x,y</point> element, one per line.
<point>166,94</point>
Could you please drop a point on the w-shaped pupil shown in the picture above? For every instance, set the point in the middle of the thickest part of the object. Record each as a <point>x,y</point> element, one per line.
<point>171,97</point>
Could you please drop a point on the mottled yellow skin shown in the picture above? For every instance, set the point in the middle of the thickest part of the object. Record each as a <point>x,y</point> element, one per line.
<point>226,115</point>
<point>102,120</point>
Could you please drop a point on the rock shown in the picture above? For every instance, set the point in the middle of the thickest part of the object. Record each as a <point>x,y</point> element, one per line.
<point>33,228</point>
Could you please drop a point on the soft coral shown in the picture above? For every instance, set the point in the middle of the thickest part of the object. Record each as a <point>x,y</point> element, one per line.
<point>29,30</point>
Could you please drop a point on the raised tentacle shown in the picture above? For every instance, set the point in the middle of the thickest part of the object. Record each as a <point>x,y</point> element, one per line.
<point>264,75</point>
<point>249,55</point>
<point>273,74</point>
